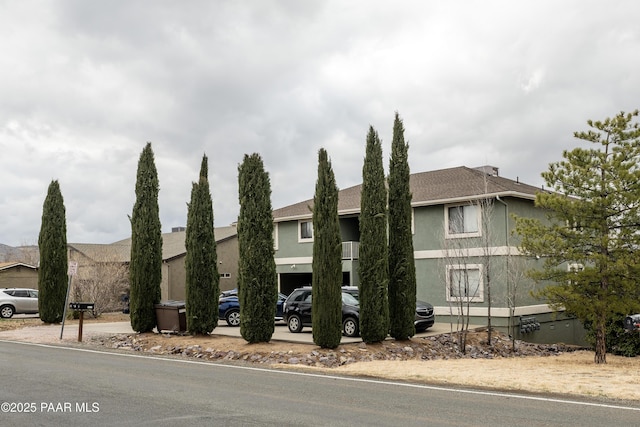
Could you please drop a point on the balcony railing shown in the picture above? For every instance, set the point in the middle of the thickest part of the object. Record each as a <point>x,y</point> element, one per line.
<point>350,250</point>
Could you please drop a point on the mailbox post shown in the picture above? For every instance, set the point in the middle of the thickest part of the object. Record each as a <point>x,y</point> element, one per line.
<point>81,307</point>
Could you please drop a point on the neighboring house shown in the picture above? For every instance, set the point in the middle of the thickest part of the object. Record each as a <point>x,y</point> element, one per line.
<point>463,243</point>
<point>18,275</point>
<point>101,276</point>
<point>174,254</point>
<point>101,265</point>
<point>88,254</point>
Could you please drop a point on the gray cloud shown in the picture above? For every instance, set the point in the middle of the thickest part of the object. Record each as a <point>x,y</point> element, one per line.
<point>86,85</point>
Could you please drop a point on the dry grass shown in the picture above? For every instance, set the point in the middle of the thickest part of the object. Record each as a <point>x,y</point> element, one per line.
<point>568,374</point>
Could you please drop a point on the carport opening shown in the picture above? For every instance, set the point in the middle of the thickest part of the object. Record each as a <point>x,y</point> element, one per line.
<point>291,281</point>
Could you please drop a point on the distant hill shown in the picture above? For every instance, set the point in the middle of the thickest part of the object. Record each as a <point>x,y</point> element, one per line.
<point>5,251</point>
<point>26,254</point>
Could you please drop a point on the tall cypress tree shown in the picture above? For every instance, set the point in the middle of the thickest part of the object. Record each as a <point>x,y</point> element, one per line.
<point>326,306</point>
<point>52,242</point>
<point>402,269</point>
<point>373,267</point>
<point>145,269</point>
<point>257,284</point>
<point>203,280</point>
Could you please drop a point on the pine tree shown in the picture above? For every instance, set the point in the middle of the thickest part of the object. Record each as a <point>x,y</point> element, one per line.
<point>590,238</point>
<point>257,283</point>
<point>326,310</point>
<point>402,270</point>
<point>52,242</point>
<point>373,267</point>
<point>202,281</point>
<point>145,269</point>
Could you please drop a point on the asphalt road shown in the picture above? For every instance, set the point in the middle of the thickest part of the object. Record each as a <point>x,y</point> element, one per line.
<point>51,385</point>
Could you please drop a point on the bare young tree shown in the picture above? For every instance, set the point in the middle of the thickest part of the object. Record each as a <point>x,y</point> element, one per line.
<point>460,290</point>
<point>102,281</point>
<point>517,285</point>
<point>470,252</point>
<point>488,252</point>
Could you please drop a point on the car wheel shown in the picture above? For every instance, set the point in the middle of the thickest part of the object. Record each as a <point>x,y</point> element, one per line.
<point>233,317</point>
<point>6,311</point>
<point>350,327</point>
<point>294,323</point>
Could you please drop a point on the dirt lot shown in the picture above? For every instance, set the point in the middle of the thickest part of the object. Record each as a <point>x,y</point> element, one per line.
<point>435,360</point>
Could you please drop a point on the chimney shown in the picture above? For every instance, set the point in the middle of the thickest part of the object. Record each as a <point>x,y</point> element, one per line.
<point>489,170</point>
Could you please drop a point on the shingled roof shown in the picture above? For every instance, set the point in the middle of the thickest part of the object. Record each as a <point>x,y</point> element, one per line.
<point>428,188</point>
<point>105,253</point>
<point>173,245</point>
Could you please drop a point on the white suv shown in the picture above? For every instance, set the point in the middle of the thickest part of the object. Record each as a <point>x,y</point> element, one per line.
<point>18,301</point>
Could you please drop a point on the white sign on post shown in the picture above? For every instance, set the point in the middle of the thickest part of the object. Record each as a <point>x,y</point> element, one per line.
<point>71,271</point>
<point>73,268</point>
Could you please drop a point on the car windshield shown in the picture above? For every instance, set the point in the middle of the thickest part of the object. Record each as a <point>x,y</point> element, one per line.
<point>349,299</point>
<point>230,293</point>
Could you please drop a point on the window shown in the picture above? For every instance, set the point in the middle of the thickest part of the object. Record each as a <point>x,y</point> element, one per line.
<point>305,231</point>
<point>462,221</point>
<point>225,275</point>
<point>302,295</point>
<point>464,283</point>
<point>575,267</point>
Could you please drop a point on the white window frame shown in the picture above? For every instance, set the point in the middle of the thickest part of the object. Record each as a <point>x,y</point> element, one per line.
<point>479,295</point>
<point>476,233</point>
<point>575,267</point>
<point>225,275</point>
<point>304,239</point>
<point>413,221</point>
<point>275,236</point>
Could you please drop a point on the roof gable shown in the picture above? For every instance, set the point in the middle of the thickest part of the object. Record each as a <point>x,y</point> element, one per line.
<point>173,244</point>
<point>10,265</point>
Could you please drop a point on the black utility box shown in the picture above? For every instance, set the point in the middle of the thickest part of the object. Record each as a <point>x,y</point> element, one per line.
<point>171,316</point>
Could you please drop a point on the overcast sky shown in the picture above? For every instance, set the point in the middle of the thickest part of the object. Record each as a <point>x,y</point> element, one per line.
<point>84,85</point>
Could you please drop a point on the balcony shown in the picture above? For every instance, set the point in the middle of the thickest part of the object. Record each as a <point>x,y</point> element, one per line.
<point>350,250</point>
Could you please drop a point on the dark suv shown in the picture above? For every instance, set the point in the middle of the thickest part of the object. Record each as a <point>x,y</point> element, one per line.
<point>297,312</point>
<point>424,311</point>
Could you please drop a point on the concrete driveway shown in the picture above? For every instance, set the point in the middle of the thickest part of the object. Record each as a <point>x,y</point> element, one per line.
<point>281,332</point>
<point>51,333</point>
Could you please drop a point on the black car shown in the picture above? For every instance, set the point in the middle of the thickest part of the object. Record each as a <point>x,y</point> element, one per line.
<point>424,311</point>
<point>297,312</point>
